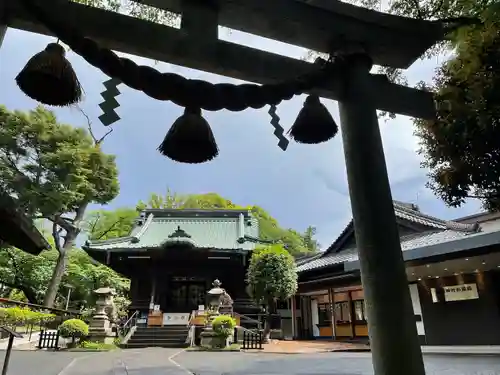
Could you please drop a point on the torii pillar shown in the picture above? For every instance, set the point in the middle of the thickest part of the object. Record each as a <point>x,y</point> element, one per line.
<point>393,337</point>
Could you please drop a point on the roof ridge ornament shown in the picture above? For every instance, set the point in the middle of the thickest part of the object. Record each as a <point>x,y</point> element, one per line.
<point>179,233</point>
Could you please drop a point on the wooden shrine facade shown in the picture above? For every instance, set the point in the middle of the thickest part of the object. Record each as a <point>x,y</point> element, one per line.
<point>173,256</point>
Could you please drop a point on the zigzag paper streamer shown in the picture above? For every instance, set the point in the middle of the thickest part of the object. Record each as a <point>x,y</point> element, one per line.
<point>109,104</point>
<point>278,129</point>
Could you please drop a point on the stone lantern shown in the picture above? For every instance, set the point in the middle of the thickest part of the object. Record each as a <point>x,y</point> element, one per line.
<point>214,300</point>
<point>214,297</point>
<point>100,324</point>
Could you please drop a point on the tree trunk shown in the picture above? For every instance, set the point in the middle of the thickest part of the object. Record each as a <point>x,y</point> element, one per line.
<point>72,232</point>
<point>267,326</point>
<point>30,295</point>
<point>56,278</point>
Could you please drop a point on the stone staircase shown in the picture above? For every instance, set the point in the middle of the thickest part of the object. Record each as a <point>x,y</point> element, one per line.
<point>171,336</point>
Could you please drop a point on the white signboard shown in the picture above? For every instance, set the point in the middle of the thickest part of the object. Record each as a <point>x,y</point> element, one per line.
<point>460,292</point>
<point>175,319</point>
<point>156,308</point>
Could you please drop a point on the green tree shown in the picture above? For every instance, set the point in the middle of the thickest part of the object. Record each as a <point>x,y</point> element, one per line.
<point>272,276</point>
<point>84,275</point>
<point>105,224</point>
<point>462,145</point>
<point>310,243</point>
<point>459,147</point>
<point>55,171</point>
<point>27,273</point>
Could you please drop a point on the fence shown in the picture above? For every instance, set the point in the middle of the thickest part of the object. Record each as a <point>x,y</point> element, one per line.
<point>252,340</point>
<point>48,340</point>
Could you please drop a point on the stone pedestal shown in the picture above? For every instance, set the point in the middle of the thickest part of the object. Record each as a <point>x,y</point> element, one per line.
<point>210,339</point>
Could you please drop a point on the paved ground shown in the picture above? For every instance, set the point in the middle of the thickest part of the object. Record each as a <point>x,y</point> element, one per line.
<point>325,363</point>
<point>157,362</point>
<point>37,363</point>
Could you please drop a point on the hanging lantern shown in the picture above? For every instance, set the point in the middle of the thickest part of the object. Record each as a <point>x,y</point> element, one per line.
<point>49,78</point>
<point>314,124</point>
<point>190,139</point>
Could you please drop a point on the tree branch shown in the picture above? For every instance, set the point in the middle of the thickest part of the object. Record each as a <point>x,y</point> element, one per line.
<point>111,227</point>
<point>97,141</point>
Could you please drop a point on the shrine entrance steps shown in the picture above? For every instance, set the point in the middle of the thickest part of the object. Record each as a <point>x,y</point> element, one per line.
<point>171,336</point>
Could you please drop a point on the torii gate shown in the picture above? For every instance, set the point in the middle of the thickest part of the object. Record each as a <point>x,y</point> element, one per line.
<point>360,37</point>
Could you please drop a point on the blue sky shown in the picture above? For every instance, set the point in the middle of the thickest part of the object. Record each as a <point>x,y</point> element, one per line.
<point>306,185</point>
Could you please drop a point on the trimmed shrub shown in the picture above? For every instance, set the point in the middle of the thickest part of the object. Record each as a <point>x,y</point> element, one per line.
<point>74,328</point>
<point>224,325</point>
<point>18,316</point>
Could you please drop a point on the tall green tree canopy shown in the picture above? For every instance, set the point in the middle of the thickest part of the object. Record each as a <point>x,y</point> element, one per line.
<point>271,276</point>
<point>459,147</point>
<point>55,171</point>
<point>462,145</point>
<point>118,223</point>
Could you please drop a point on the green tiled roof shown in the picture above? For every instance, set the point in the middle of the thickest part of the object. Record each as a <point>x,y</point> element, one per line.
<point>215,229</point>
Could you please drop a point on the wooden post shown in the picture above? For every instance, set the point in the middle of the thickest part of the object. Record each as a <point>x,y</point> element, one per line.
<point>294,319</point>
<point>153,289</point>
<point>331,298</point>
<point>392,330</point>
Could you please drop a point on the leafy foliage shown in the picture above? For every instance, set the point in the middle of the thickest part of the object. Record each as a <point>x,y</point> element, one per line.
<point>271,276</point>
<point>85,275</point>
<point>31,275</point>
<point>104,224</point>
<point>27,273</point>
<point>55,171</point>
<point>51,167</point>
<point>96,346</point>
<point>462,145</point>
<point>15,316</point>
<point>74,328</point>
<point>224,325</point>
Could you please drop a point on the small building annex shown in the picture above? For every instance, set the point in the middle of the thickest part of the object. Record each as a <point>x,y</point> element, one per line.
<point>453,270</point>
